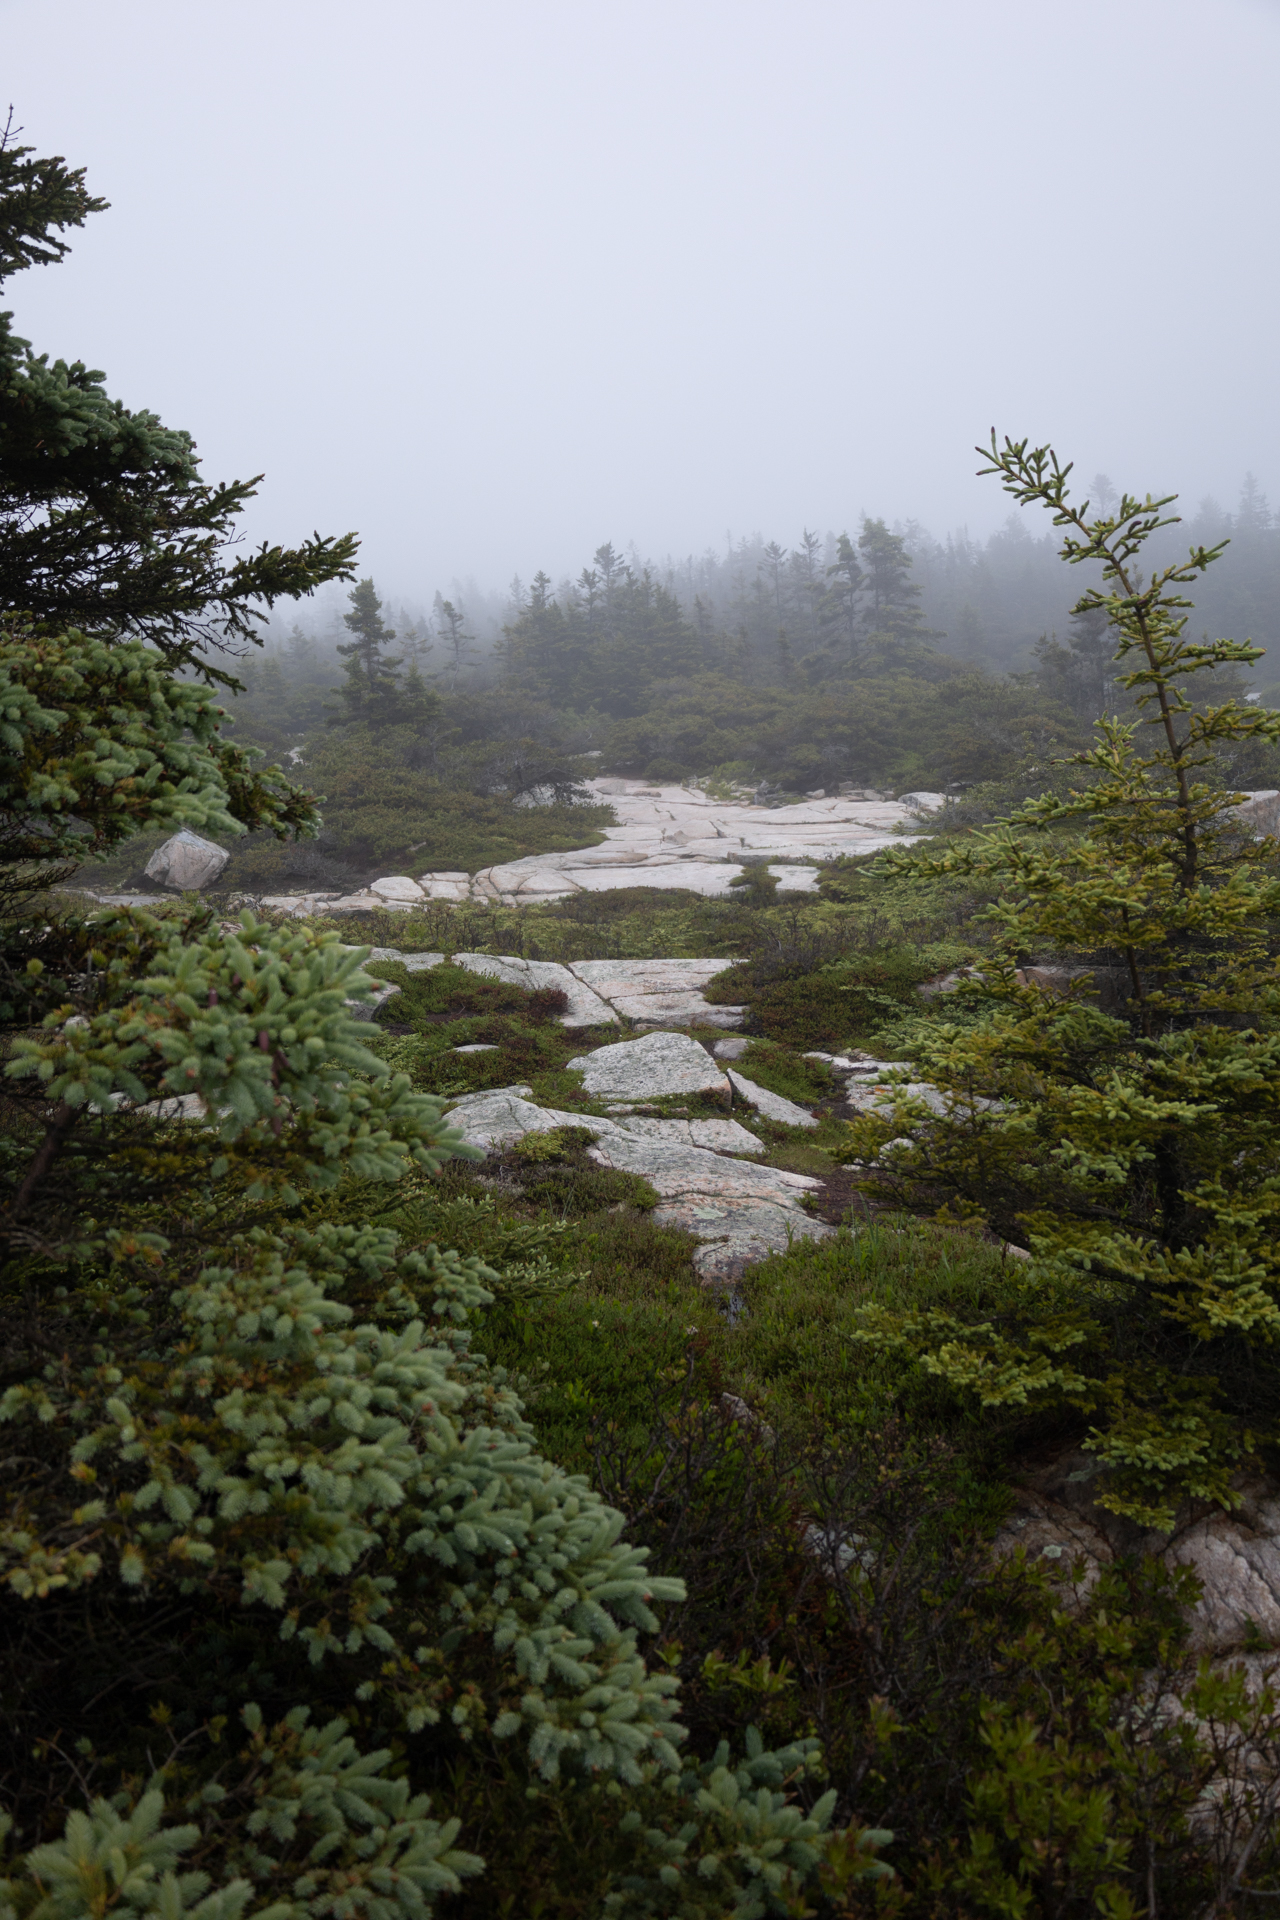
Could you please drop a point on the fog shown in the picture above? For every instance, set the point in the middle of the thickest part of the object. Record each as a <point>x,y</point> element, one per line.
<point>495,283</point>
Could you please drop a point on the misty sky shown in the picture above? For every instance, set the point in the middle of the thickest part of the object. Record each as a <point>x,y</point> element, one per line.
<point>497,280</point>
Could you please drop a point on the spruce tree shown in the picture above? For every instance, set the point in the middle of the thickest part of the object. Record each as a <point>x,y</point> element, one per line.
<point>105,522</point>
<point>840,607</point>
<point>891,595</point>
<point>372,675</point>
<point>1134,1148</point>
<point>277,1541</point>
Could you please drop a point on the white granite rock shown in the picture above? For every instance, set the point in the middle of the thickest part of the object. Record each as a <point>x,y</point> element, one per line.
<point>859,1065</point>
<point>655,1065</point>
<point>670,837</point>
<point>717,1136</point>
<point>709,878</point>
<point>186,861</point>
<point>875,1097</point>
<point>740,1211</point>
<point>446,886</point>
<point>724,1136</point>
<point>477,1046</point>
<point>662,992</point>
<point>609,978</point>
<point>178,1106</point>
<point>365,902</point>
<point>677,1170</point>
<point>737,1236</point>
<point>772,1105</point>
<point>498,1117</point>
<point>1260,811</point>
<point>411,962</point>
<point>301,905</point>
<point>397,889</point>
<point>586,1009</point>
<point>677,1010</point>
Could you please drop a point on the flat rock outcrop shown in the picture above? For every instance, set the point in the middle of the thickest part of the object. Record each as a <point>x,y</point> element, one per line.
<point>644,992</point>
<point>586,1008</point>
<point>653,1067</point>
<point>771,1105</point>
<point>739,1212</point>
<point>665,837</point>
<point>660,992</point>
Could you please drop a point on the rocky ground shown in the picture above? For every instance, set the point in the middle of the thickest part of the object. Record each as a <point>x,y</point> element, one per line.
<point>665,837</point>
<point>703,1163</point>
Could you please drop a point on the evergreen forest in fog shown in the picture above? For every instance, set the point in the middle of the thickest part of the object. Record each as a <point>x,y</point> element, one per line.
<point>879,658</point>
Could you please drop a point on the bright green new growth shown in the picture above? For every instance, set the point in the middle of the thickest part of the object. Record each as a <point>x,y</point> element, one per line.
<point>99,742</point>
<point>312,1820</point>
<point>1135,1147</point>
<point>285,1483</point>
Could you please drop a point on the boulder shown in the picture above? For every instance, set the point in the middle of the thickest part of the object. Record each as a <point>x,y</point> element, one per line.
<point>397,889</point>
<point>730,1049</point>
<point>187,862</point>
<point>656,1065</point>
<point>772,1105</point>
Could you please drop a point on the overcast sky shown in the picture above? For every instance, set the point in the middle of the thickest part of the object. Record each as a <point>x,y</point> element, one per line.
<point>494,281</point>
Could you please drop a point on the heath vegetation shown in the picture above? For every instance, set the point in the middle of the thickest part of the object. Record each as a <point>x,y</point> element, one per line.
<point>390,1531</point>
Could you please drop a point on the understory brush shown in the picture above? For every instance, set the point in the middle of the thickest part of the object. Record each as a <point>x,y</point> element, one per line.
<point>836,1003</point>
<point>1021,1734</point>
